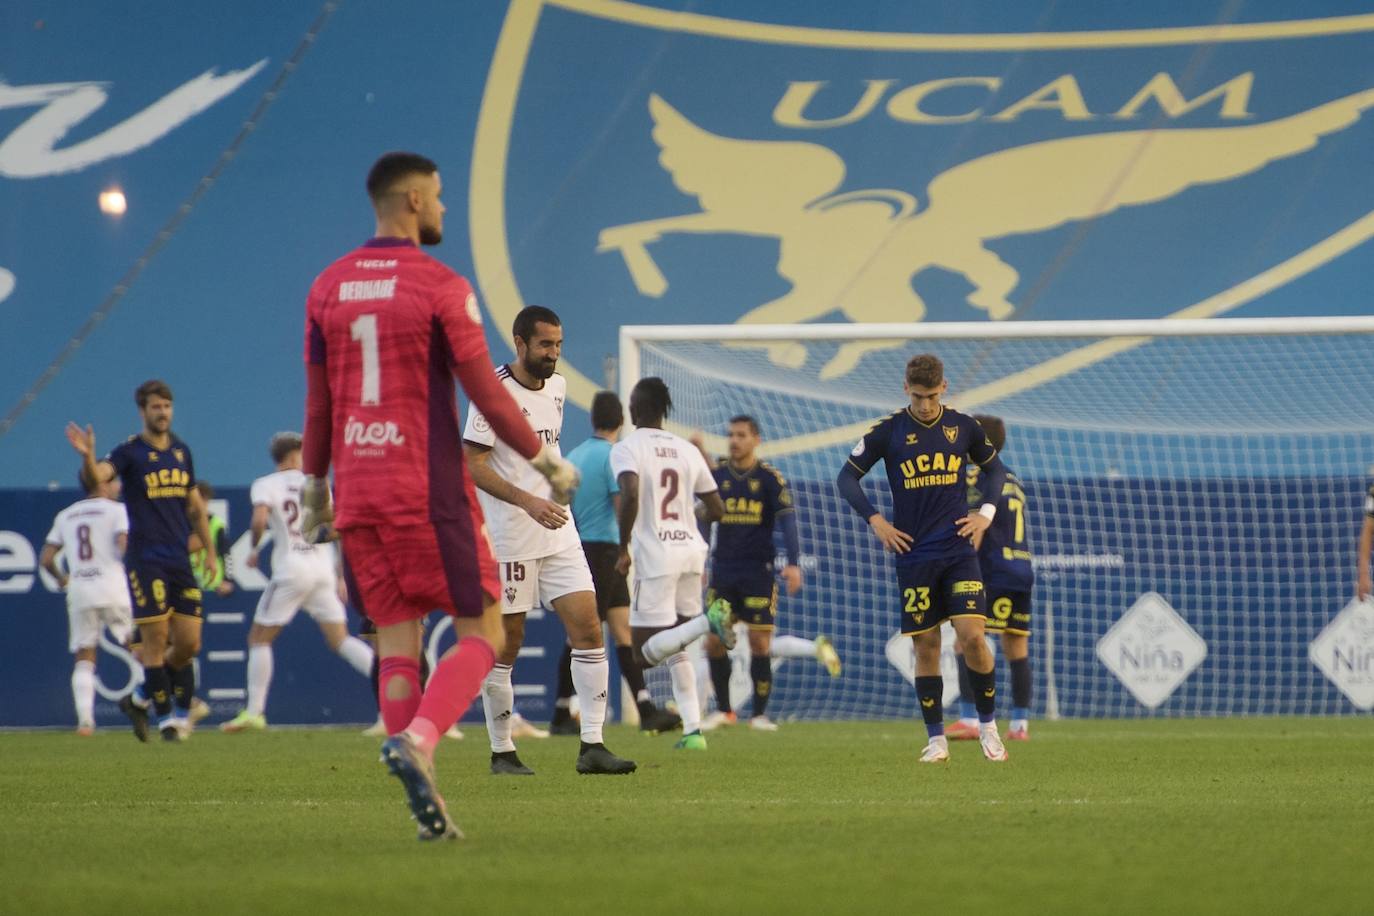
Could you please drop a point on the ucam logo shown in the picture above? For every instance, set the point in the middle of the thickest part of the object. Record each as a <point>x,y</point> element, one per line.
<point>829,174</point>
<point>1151,650</point>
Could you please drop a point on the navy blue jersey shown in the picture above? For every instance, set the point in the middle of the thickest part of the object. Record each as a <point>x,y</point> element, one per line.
<point>754,499</point>
<point>156,483</point>
<point>925,469</point>
<point>1006,554</point>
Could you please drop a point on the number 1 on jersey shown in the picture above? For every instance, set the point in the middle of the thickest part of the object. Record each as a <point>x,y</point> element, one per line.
<point>364,330</point>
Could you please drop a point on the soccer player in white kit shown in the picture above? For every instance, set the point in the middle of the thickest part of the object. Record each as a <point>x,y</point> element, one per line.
<point>539,555</point>
<point>661,475</point>
<point>91,535</point>
<point>303,576</point>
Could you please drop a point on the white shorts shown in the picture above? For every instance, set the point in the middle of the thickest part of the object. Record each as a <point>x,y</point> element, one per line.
<point>660,601</point>
<point>84,623</point>
<point>526,584</point>
<point>283,597</point>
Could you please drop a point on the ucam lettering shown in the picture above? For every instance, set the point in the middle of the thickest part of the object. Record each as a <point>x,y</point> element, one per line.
<point>365,290</point>
<point>674,534</point>
<point>1063,95</point>
<point>374,264</point>
<point>376,433</point>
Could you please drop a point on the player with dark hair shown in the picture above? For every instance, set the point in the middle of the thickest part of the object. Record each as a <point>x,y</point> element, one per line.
<point>158,478</point>
<point>90,537</point>
<point>757,500</point>
<point>304,575</point>
<point>665,474</point>
<point>387,329</point>
<point>594,510</point>
<point>1004,555</point>
<point>537,548</point>
<point>924,447</point>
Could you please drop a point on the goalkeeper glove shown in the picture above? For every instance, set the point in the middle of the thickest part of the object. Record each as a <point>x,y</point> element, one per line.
<point>561,473</point>
<point>317,511</point>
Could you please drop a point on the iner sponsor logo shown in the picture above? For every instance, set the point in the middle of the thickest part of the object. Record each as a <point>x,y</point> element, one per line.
<point>357,432</point>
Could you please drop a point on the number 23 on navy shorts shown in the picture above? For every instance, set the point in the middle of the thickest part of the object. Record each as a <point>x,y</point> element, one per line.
<point>933,591</point>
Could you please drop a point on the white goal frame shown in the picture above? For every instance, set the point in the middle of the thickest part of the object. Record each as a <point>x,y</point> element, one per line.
<point>1122,335</point>
<point>632,334</point>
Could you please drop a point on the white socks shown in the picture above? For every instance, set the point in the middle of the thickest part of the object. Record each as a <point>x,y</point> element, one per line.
<point>591,679</point>
<point>793,647</point>
<point>684,687</point>
<point>358,654</point>
<point>83,692</point>
<point>666,642</point>
<point>353,650</point>
<point>498,702</point>
<point>259,678</point>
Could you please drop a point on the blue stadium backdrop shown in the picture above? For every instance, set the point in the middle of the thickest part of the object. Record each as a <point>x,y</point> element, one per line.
<point>606,159</point>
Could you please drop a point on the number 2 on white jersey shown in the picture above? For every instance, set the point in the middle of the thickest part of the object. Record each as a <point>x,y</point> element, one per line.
<point>364,330</point>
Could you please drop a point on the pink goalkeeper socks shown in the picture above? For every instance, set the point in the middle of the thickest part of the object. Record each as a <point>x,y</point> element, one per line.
<point>451,689</point>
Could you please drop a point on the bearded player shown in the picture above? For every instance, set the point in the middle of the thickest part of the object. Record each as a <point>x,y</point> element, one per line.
<point>538,552</point>
<point>388,328</point>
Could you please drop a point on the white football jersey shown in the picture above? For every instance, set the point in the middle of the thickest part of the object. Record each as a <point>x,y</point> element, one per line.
<point>665,540</point>
<point>514,535</point>
<point>88,533</point>
<point>292,556</point>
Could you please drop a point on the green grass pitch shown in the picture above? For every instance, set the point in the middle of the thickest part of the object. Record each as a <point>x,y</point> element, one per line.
<point>1154,817</point>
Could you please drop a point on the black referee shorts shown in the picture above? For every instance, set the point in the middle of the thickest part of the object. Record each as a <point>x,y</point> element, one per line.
<point>611,588</point>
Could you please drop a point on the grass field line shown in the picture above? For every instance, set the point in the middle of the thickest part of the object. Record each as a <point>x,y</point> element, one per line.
<point>1024,801</point>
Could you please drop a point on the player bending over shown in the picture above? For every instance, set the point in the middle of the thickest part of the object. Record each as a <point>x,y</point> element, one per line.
<point>924,447</point>
<point>387,330</point>
<point>538,553</point>
<point>660,476</point>
<point>303,576</point>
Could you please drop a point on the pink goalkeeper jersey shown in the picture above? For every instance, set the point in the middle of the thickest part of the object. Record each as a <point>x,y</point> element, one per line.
<point>389,323</point>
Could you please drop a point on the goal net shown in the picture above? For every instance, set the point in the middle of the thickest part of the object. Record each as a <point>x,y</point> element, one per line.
<point>1194,490</point>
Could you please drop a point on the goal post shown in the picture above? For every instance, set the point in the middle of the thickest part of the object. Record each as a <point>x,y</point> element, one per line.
<point>1195,491</point>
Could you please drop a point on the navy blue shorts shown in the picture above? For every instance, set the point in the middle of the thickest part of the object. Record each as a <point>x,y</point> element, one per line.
<point>934,591</point>
<point>161,589</point>
<point>1009,612</point>
<point>752,592</point>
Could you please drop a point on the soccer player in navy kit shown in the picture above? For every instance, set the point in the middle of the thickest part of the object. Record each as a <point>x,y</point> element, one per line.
<point>159,483</point>
<point>924,447</point>
<point>757,500</point>
<point>1004,555</point>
